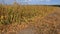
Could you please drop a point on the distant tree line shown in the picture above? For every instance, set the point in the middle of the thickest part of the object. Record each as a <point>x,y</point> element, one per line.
<point>56,5</point>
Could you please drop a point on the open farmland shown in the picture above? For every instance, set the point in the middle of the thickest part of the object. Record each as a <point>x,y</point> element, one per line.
<point>18,19</point>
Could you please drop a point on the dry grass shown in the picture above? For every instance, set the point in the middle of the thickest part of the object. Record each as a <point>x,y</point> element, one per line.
<point>17,13</point>
<point>14,18</point>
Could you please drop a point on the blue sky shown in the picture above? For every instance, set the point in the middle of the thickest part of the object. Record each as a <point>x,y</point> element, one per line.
<point>32,2</point>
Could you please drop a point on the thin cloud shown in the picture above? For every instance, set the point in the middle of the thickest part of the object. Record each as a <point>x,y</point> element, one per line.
<point>34,0</point>
<point>27,0</point>
<point>48,0</point>
<point>44,0</point>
